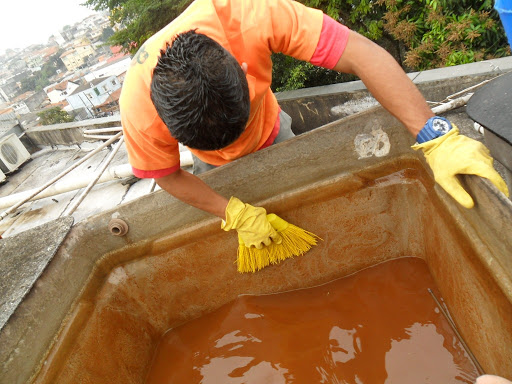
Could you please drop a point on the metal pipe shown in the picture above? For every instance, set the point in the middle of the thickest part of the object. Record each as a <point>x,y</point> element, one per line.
<point>59,176</point>
<point>152,186</point>
<point>92,183</point>
<point>466,90</point>
<point>101,137</point>
<point>103,130</point>
<point>455,330</point>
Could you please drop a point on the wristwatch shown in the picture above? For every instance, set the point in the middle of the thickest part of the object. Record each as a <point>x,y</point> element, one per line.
<point>434,127</point>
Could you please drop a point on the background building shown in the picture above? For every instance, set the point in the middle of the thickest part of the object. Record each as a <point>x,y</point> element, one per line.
<point>77,56</point>
<point>95,96</point>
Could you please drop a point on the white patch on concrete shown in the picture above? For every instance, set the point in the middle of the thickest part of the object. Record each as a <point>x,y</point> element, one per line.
<point>118,275</point>
<point>354,106</point>
<point>375,144</point>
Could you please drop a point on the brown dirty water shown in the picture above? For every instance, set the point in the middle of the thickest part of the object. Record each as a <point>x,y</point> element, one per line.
<point>379,325</point>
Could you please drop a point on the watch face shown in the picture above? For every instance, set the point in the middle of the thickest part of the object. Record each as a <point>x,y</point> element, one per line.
<point>441,126</point>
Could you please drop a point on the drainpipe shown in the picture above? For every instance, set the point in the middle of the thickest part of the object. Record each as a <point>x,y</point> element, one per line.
<point>117,172</point>
<point>103,130</point>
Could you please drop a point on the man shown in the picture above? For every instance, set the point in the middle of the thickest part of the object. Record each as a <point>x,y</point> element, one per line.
<point>204,81</point>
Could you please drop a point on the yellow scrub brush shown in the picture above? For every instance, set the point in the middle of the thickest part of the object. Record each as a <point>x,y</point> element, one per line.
<point>295,242</point>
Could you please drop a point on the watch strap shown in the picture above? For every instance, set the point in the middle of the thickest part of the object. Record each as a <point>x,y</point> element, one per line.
<point>434,127</point>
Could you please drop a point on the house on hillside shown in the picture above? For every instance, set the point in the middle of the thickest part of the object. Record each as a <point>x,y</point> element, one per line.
<point>77,56</point>
<point>8,120</point>
<point>96,97</point>
<point>58,92</point>
<point>35,60</point>
<point>11,86</point>
<point>27,102</point>
<point>18,103</point>
<point>114,66</point>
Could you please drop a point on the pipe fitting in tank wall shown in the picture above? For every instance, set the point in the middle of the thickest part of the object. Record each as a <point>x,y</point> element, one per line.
<point>118,227</point>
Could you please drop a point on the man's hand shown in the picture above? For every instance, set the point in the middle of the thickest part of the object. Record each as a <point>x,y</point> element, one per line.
<point>452,154</point>
<point>251,224</point>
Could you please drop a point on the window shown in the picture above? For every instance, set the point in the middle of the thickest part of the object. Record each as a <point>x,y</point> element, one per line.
<point>89,95</point>
<point>96,91</point>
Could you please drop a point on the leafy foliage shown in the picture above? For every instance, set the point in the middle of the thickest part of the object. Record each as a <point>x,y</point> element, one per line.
<point>438,33</point>
<point>106,34</point>
<point>139,19</point>
<point>289,73</point>
<point>42,78</point>
<point>54,115</point>
<point>421,34</point>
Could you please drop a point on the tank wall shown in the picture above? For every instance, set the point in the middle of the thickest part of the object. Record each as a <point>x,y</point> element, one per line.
<point>364,218</point>
<point>358,162</point>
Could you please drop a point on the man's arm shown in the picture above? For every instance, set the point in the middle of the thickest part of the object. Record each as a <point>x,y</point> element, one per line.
<point>386,81</point>
<point>193,191</point>
<point>250,222</point>
<point>448,155</point>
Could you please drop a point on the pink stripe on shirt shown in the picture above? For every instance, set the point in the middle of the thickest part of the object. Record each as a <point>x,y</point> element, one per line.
<point>141,174</point>
<point>332,43</point>
<point>274,132</point>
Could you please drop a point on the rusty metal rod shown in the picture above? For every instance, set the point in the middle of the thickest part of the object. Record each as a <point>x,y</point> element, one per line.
<point>457,333</point>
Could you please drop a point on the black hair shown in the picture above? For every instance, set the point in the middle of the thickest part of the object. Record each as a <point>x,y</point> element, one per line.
<point>200,92</point>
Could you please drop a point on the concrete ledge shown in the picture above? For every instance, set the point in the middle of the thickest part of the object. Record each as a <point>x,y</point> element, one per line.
<point>69,133</point>
<point>24,258</point>
<point>481,68</point>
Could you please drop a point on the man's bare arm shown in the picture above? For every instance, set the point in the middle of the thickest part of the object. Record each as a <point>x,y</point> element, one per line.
<point>386,81</point>
<point>193,191</point>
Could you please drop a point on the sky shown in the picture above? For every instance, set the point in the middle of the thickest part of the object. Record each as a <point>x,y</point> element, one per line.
<point>26,22</point>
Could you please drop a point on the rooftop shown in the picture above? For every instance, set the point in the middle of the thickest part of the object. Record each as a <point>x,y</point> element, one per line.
<point>58,147</point>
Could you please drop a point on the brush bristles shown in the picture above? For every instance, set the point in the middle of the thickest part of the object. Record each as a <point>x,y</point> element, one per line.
<point>295,242</point>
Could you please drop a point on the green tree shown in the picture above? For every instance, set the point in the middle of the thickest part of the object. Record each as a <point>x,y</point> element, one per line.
<point>42,78</point>
<point>28,83</point>
<point>56,61</point>
<point>139,19</point>
<point>421,34</point>
<point>106,34</point>
<point>54,115</point>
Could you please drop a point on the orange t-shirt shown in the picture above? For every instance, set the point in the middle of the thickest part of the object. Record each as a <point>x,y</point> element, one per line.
<point>250,30</point>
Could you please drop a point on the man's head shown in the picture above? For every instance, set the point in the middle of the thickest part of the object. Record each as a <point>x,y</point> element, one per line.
<point>200,92</point>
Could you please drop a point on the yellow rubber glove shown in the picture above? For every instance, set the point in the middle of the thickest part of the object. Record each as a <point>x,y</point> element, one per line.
<point>251,223</point>
<point>453,154</point>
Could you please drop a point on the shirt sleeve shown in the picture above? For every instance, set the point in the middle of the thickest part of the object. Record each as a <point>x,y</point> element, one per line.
<point>295,28</point>
<point>332,43</point>
<point>152,151</point>
<point>150,156</point>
